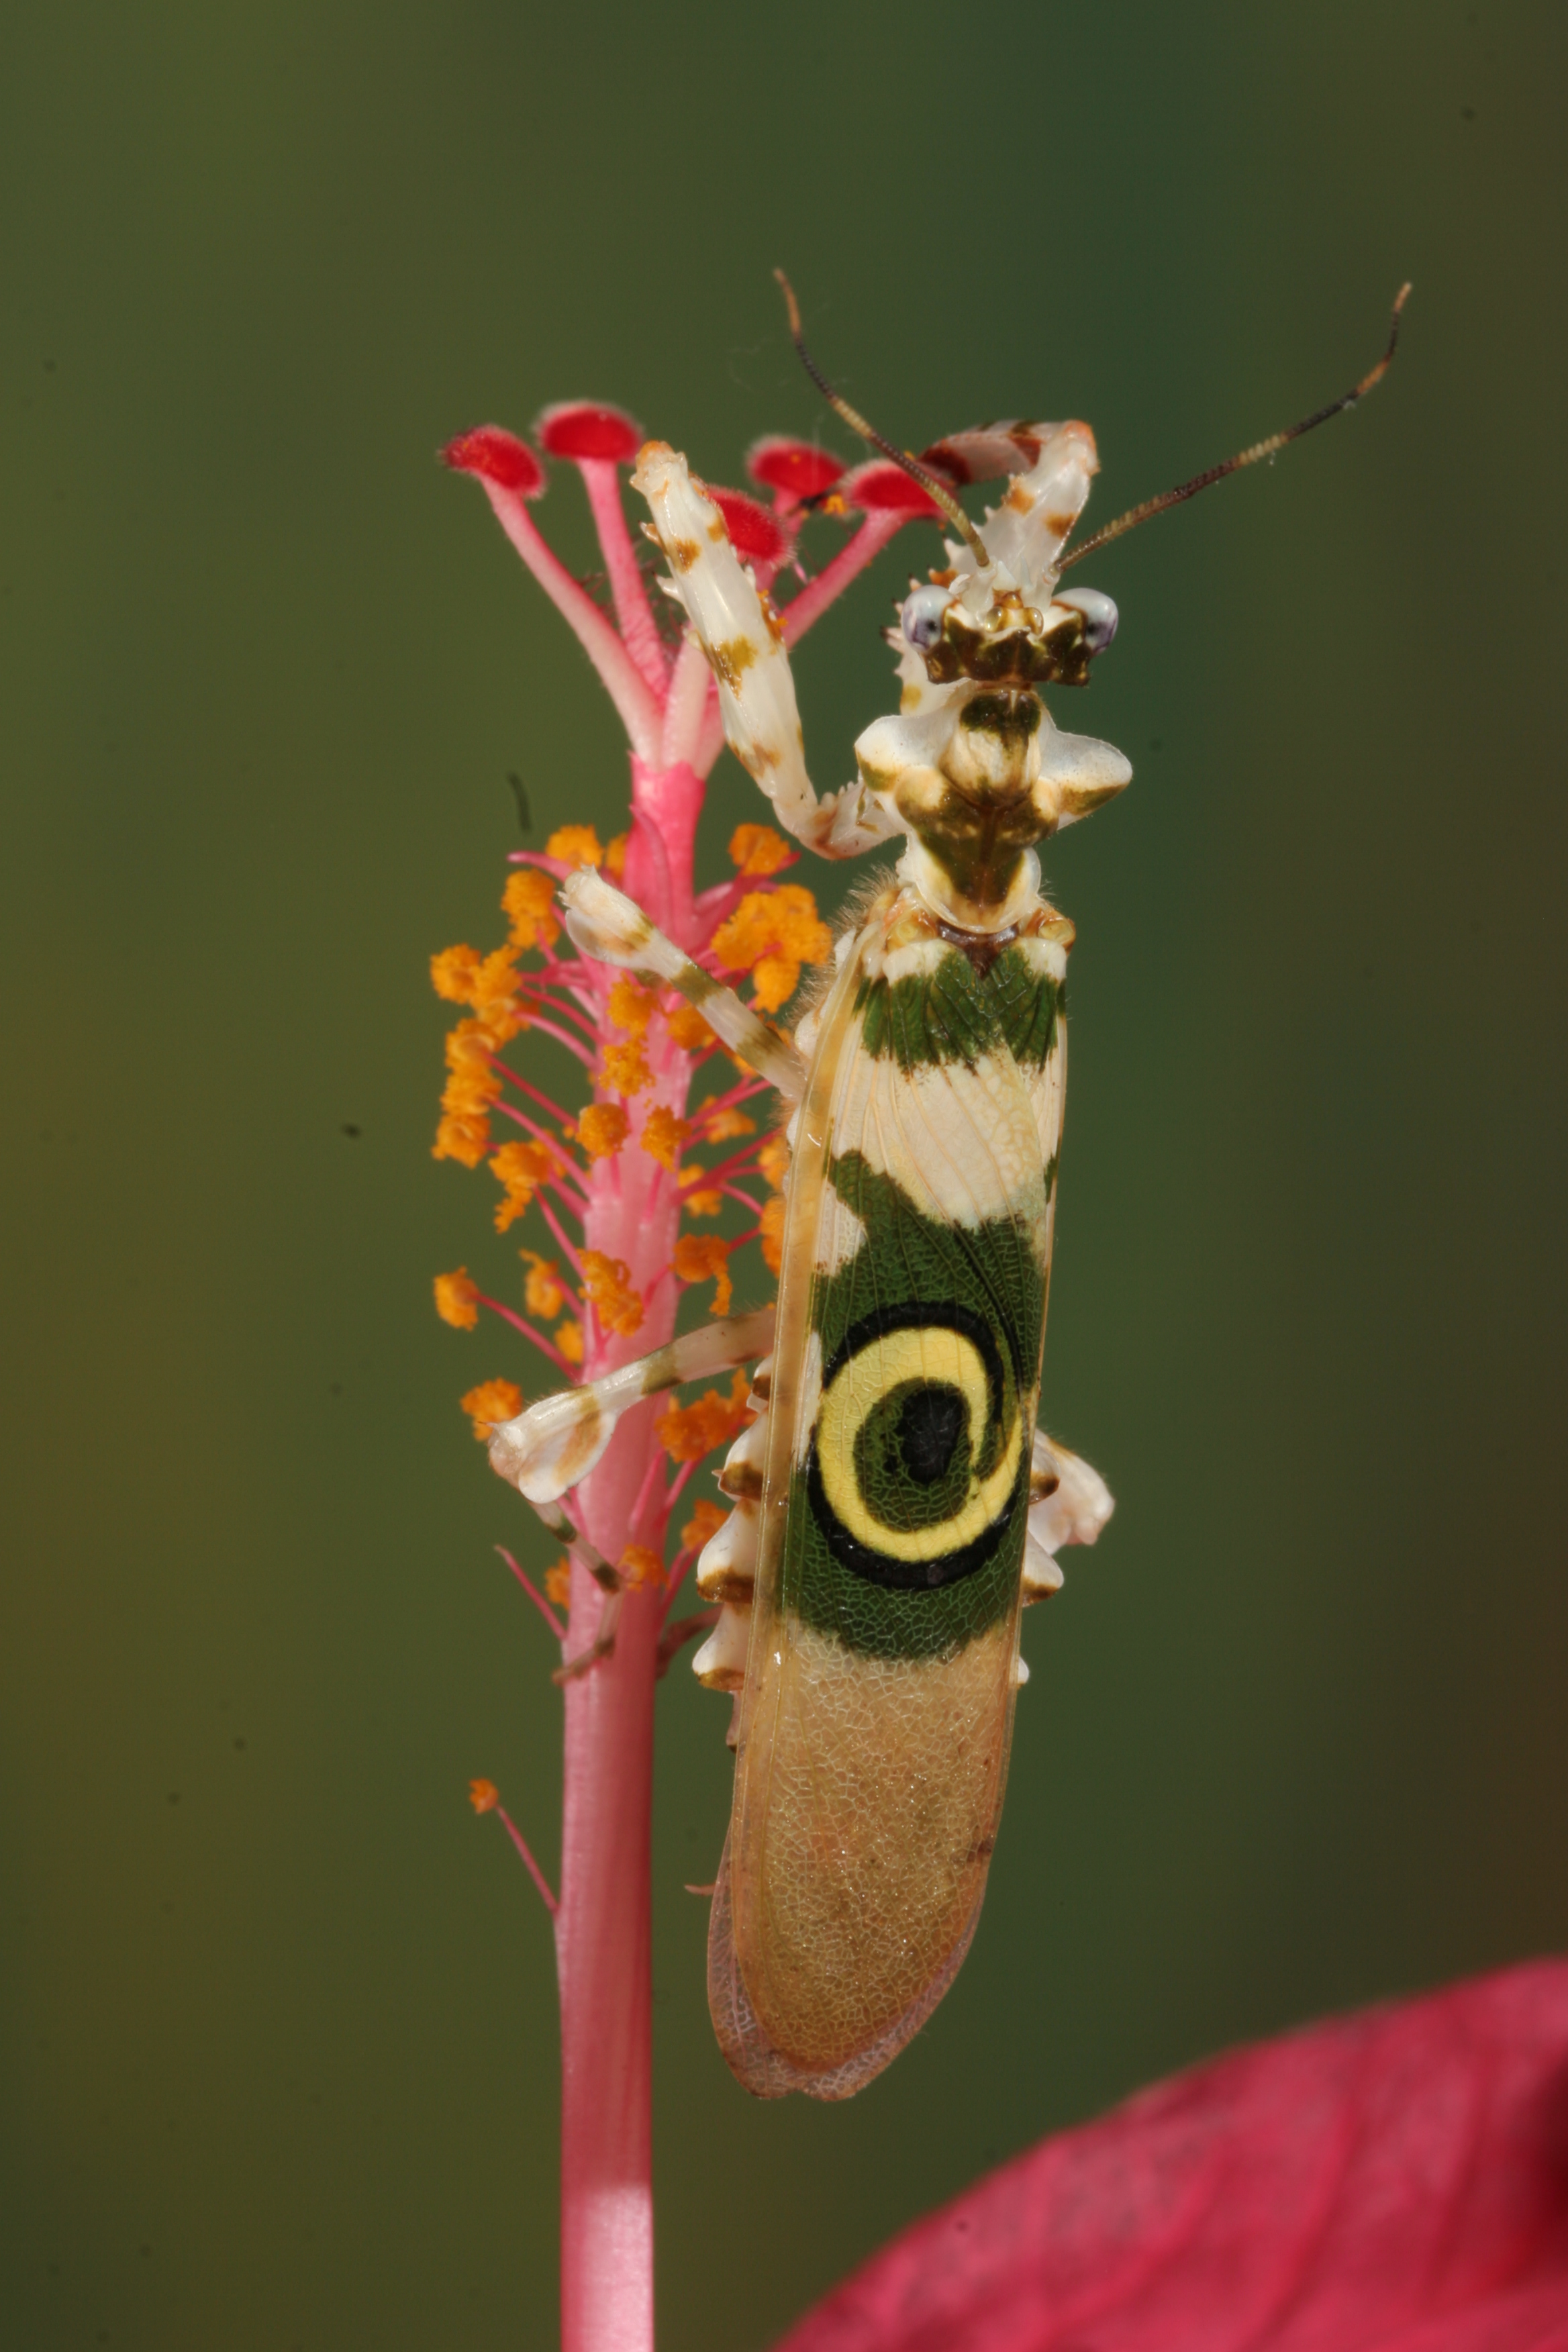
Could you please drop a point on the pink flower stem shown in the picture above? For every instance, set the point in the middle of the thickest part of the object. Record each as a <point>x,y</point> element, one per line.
<point>603,1929</point>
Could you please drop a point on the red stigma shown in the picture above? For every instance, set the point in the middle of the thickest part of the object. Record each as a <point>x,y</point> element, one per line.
<point>588,428</point>
<point>756,536</point>
<point>496,455</point>
<point>796,468</point>
<point>882,487</point>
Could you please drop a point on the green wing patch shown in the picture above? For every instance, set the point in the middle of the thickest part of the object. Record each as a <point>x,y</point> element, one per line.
<point>905,1526</point>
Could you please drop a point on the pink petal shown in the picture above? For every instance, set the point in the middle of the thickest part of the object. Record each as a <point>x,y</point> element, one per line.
<point>588,428</point>
<point>1396,2181</point>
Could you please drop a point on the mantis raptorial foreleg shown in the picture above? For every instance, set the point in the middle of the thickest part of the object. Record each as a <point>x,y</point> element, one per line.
<point>741,635</point>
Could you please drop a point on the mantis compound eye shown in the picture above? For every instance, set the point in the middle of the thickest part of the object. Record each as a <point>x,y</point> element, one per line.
<point>1100,615</point>
<point>920,619</point>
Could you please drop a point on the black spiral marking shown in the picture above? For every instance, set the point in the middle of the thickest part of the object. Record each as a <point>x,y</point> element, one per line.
<point>931,1424</point>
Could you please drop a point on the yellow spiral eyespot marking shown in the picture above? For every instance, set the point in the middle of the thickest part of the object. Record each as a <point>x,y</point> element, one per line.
<point>915,1463</point>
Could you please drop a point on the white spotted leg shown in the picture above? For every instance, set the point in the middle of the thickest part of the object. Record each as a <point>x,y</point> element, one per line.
<point>1069,1503</point>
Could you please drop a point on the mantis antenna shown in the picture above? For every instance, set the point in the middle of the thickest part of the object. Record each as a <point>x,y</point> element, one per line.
<point>1259,449</point>
<point>937,491</point>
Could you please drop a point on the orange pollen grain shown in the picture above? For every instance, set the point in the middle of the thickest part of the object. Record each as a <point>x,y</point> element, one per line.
<point>687,1432</point>
<point>484,1796</point>
<point>770,1237</point>
<point>722,1124</point>
<point>770,934</point>
<point>543,1293</point>
<point>663,1133</point>
<point>631,1008</point>
<point>602,1129</point>
<point>575,844</point>
<point>641,1566</point>
<point>626,1067</point>
<point>558,1583</point>
<point>704,1524</point>
<point>457,1300</point>
<point>772,1160</point>
<point>521,1168</point>
<point>758,849</point>
<point>699,1258</point>
<point>529,900</point>
<point>493,1402</point>
<point>607,1281</point>
<point>689,1030</point>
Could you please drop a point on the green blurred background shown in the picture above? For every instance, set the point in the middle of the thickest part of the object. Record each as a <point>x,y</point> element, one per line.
<point>278,2039</point>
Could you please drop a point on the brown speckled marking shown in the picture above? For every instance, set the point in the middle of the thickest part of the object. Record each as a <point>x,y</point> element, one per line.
<point>1020,497</point>
<point>1041,1484</point>
<point>578,1450</point>
<point>1058,525</point>
<point>741,1481</point>
<point>716,530</point>
<point>731,659</point>
<point>682,552</point>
